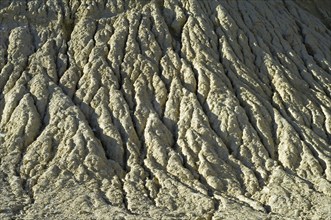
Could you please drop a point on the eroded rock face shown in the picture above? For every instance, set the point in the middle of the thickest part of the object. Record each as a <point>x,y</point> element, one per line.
<point>165,109</point>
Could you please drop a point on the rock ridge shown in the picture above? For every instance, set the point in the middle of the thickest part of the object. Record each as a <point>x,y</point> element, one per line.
<point>165,109</point>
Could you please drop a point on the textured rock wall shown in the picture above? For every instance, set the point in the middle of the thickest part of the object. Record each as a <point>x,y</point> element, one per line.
<point>165,109</point>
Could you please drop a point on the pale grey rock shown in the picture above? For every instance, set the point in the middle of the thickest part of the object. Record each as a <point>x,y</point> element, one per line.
<point>165,109</point>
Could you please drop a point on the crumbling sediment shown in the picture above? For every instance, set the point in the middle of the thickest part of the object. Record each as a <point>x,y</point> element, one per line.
<point>165,109</point>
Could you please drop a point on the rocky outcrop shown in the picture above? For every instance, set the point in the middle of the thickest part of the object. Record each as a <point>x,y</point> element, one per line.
<point>165,109</point>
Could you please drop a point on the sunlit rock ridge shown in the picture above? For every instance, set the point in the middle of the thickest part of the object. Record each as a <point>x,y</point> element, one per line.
<point>139,109</point>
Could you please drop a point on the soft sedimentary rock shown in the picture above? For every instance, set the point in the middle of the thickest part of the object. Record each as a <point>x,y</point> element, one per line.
<point>169,109</point>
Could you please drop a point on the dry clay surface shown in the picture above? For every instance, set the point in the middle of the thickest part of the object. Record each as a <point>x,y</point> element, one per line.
<point>113,109</point>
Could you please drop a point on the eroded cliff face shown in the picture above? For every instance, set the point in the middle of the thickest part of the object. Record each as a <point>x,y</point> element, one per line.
<point>165,109</point>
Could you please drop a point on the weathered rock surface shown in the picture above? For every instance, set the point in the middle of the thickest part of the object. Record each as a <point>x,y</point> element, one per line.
<point>169,109</point>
